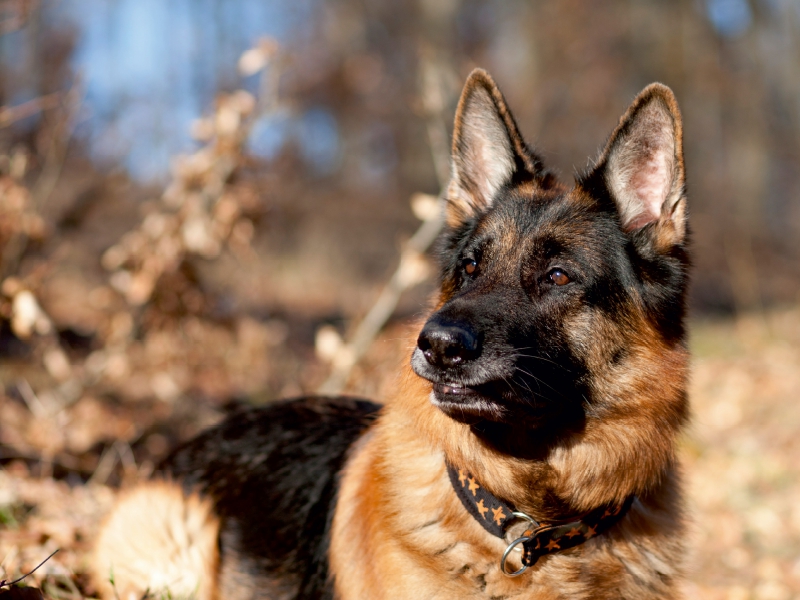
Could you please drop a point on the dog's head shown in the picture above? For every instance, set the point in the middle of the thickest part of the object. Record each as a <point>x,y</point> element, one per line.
<point>557,302</point>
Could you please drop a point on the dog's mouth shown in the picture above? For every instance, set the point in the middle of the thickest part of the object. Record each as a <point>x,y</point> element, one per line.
<point>497,403</point>
<point>470,404</point>
<point>498,398</point>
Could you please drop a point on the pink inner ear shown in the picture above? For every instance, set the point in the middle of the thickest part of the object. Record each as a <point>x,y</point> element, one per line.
<point>650,182</point>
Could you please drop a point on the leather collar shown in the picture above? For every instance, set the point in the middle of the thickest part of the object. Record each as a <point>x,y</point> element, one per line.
<point>538,539</point>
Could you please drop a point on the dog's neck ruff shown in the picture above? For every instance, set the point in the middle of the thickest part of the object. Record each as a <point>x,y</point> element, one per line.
<point>538,539</point>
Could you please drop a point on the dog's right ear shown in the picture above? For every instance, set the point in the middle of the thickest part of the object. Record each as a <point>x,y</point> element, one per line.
<point>488,150</point>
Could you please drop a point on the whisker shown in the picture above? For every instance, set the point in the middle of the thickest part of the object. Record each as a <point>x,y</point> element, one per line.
<point>539,381</point>
<point>517,355</point>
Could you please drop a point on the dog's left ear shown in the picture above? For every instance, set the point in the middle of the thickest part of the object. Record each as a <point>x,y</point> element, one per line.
<point>488,150</point>
<point>642,166</point>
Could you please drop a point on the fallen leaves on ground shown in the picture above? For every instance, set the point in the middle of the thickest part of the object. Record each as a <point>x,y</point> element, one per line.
<point>741,454</point>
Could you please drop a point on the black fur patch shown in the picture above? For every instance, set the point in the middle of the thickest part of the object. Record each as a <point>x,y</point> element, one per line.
<point>273,474</point>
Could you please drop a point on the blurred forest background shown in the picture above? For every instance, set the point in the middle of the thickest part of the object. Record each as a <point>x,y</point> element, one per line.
<point>210,202</point>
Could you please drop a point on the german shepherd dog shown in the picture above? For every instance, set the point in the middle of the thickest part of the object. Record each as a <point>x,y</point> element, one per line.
<point>530,449</point>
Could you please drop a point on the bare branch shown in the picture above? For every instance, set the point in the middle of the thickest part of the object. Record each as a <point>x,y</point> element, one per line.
<point>12,114</point>
<point>406,275</point>
<point>4,583</point>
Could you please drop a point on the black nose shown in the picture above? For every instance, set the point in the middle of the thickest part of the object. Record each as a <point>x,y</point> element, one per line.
<point>446,345</point>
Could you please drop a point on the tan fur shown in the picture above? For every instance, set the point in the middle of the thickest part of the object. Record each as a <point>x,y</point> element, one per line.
<point>160,541</point>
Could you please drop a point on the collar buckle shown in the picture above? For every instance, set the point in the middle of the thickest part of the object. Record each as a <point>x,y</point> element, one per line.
<point>516,527</point>
<point>516,545</point>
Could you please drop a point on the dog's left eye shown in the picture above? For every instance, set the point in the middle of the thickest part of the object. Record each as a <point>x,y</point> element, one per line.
<point>558,277</point>
<point>469,266</point>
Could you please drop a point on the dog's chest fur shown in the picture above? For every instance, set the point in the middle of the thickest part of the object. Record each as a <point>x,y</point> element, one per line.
<point>400,532</point>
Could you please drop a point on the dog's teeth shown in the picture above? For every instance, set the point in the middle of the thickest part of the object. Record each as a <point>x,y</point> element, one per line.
<point>453,389</point>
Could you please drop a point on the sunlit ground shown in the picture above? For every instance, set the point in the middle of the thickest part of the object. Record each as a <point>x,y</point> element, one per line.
<point>741,457</point>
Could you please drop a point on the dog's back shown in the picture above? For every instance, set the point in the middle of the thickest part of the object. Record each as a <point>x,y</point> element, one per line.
<point>241,511</point>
